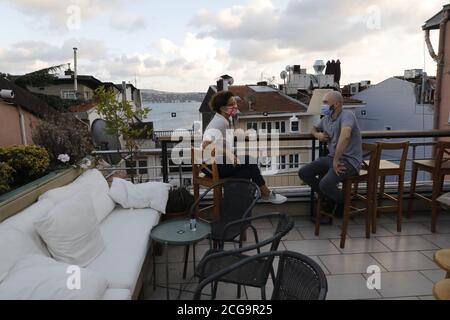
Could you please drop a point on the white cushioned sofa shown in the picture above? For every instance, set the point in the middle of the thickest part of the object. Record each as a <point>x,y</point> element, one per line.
<point>123,254</point>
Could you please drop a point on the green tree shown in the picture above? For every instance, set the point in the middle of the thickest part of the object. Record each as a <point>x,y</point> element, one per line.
<point>123,121</point>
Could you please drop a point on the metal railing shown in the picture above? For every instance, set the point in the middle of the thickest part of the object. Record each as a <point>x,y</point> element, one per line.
<point>316,149</point>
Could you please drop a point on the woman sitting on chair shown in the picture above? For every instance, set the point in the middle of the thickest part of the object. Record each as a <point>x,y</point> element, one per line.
<point>216,141</point>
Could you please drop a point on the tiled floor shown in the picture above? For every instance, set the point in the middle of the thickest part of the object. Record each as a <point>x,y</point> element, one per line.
<point>405,259</point>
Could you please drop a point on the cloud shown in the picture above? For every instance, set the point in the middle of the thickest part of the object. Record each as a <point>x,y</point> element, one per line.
<point>60,15</point>
<point>27,56</point>
<point>128,23</point>
<point>309,25</point>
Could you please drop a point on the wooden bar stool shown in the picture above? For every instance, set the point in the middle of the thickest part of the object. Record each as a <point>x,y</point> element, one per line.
<point>442,259</point>
<point>439,167</point>
<point>367,175</point>
<point>199,178</point>
<point>441,290</point>
<point>388,168</point>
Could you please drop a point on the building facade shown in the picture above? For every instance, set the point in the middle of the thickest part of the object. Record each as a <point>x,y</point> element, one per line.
<point>19,115</point>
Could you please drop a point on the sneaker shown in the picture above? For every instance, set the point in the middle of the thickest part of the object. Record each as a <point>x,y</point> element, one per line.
<point>275,198</point>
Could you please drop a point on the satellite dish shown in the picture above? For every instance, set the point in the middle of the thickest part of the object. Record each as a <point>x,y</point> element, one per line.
<point>105,141</point>
<point>283,75</point>
<point>288,69</point>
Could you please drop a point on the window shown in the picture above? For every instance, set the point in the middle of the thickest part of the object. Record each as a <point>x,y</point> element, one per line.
<point>363,112</point>
<point>269,127</point>
<point>283,127</point>
<point>264,126</point>
<point>68,95</point>
<point>252,125</point>
<point>142,167</point>
<point>297,161</point>
<point>277,126</point>
<point>283,163</point>
<point>291,161</point>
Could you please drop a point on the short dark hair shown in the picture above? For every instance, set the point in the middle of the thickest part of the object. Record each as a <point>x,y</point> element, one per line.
<point>219,100</point>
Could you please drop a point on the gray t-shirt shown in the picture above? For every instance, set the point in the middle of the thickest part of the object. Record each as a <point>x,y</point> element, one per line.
<point>353,153</point>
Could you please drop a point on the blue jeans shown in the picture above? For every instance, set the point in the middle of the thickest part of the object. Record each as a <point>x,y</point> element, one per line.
<point>327,186</point>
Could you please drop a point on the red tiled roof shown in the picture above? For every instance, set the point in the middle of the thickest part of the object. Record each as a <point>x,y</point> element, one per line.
<point>272,101</point>
<point>83,107</point>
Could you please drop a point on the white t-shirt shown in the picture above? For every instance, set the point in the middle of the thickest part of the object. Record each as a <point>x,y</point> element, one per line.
<point>216,132</point>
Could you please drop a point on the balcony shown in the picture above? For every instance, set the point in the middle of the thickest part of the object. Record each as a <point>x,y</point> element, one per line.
<point>405,259</point>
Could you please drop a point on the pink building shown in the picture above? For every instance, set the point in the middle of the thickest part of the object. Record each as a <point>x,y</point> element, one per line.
<point>19,115</point>
<point>441,23</point>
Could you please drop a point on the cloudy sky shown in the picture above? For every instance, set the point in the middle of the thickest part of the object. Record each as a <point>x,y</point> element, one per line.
<point>185,45</point>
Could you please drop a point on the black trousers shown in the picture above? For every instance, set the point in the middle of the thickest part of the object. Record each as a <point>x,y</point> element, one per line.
<point>243,171</point>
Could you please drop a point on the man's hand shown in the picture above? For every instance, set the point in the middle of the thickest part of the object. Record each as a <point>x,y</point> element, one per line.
<point>339,167</point>
<point>322,136</point>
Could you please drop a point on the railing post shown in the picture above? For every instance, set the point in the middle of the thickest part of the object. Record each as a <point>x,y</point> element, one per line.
<point>165,167</point>
<point>313,158</point>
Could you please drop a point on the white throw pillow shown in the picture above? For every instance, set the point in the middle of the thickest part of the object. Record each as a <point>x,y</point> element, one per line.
<point>140,196</point>
<point>91,180</point>
<point>71,231</point>
<point>41,278</point>
<point>119,192</point>
<point>14,244</point>
<point>99,189</point>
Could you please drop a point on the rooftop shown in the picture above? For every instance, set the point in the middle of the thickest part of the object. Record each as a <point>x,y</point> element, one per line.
<point>26,99</point>
<point>405,259</point>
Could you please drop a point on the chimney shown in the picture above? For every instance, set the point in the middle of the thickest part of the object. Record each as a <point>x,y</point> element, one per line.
<point>75,76</point>
<point>222,85</point>
<point>124,91</point>
<point>224,82</point>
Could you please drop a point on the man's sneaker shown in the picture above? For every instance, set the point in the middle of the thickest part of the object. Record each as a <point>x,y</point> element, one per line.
<point>275,198</point>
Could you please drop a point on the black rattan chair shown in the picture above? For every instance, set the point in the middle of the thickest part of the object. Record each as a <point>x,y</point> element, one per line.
<point>254,274</point>
<point>298,276</point>
<point>239,198</point>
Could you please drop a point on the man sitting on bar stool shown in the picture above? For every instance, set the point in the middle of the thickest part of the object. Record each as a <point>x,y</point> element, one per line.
<point>340,129</point>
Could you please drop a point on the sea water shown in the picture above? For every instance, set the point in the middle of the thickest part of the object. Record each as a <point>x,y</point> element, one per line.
<point>172,116</point>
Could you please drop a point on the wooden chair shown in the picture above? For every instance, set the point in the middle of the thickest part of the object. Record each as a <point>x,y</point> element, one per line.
<point>200,178</point>
<point>388,168</point>
<point>442,259</point>
<point>441,290</point>
<point>367,175</point>
<point>439,167</point>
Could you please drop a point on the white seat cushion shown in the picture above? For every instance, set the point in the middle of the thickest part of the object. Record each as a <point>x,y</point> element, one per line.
<point>126,234</point>
<point>14,244</point>
<point>117,294</point>
<point>71,231</point>
<point>41,278</point>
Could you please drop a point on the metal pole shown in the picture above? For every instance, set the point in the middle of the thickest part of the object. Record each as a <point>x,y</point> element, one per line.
<point>165,168</point>
<point>313,158</point>
<point>75,75</point>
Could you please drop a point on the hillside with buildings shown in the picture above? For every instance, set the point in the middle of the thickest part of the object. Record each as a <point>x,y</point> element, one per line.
<point>154,96</point>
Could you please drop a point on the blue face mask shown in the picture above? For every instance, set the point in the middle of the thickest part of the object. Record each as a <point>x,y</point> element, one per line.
<point>327,110</point>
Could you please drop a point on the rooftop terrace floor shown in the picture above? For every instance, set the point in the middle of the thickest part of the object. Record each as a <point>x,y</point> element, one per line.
<point>406,258</point>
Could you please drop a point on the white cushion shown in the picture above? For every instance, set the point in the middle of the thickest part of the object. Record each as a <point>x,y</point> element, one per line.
<point>97,185</point>
<point>41,278</point>
<point>139,196</point>
<point>71,231</point>
<point>117,294</point>
<point>127,237</point>
<point>14,244</point>
<point>24,221</point>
